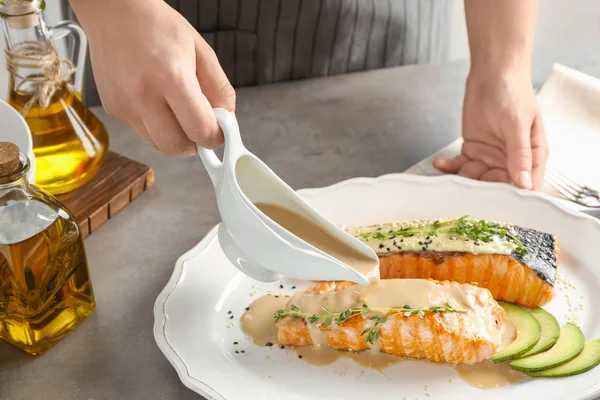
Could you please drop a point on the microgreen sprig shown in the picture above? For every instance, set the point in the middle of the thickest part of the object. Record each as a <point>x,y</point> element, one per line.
<point>372,332</point>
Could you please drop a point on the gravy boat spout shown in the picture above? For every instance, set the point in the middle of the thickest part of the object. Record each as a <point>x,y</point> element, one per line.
<point>252,241</point>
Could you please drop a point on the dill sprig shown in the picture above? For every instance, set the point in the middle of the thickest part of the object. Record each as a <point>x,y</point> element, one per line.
<point>476,230</point>
<point>371,333</point>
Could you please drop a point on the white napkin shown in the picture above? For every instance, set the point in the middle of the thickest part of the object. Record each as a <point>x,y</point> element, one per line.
<point>570,105</point>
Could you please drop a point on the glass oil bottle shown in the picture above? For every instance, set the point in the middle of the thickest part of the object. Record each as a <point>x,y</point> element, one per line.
<point>69,141</point>
<point>45,287</point>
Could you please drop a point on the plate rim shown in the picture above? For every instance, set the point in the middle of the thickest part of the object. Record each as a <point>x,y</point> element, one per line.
<point>160,317</point>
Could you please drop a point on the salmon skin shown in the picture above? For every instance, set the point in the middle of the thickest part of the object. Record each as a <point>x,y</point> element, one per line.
<point>453,338</point>
<point>516,264</point>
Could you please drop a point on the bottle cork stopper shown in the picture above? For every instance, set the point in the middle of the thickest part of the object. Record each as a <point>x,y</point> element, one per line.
<point>21,14</point>
<point>9,158</point>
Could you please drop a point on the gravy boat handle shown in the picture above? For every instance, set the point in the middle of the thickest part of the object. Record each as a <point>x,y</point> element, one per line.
<point>233,145</point>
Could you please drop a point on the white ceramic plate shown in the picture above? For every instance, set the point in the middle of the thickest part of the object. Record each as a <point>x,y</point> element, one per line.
<point>14,129</point>
<point>196,333</point>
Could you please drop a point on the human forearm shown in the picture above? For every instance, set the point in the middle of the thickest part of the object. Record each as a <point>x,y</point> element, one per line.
<point>501,34</point>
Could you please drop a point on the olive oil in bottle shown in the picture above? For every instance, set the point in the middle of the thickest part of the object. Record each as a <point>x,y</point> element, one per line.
<point>45,288</point>
<point>69,142</point>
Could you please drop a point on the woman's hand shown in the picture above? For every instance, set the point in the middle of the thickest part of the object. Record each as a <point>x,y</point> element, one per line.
<point>502,129</point>
<point>155,73</point>
<point>503,133</point>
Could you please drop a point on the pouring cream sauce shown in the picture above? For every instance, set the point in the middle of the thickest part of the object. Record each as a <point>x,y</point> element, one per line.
<point>258,322</point>
<point>315,235</point>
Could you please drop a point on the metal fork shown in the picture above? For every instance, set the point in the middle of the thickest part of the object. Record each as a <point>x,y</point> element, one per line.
<point>580,194</point>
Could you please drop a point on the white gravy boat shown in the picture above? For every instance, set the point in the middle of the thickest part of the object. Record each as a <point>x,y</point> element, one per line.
<point>252,241</point>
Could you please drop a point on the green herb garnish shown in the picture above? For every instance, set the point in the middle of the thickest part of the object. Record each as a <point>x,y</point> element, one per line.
<point>476,230</point>
<point>371,333</point>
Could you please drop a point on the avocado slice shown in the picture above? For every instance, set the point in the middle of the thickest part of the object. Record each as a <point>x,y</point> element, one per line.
<point>568,346</point>
<point>586,360</point>
<point>550,331</point>
<point>528,332</point>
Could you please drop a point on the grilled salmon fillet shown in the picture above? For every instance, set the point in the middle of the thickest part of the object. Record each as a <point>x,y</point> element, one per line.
<point>506,278</point>
<point>453,338</point>
<point>516,264</point>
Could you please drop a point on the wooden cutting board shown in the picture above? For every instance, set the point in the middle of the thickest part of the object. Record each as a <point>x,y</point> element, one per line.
<point>118,182</point>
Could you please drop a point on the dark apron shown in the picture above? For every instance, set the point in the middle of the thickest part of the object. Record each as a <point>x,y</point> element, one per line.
<point>266,41</point>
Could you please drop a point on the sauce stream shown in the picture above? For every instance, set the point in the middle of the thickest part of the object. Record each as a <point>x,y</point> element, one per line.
<point>315,235</point>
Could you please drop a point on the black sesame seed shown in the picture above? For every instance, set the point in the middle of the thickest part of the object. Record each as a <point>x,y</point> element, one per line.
<point>280,286</point>
<point>496,322</point>
<point>393,237</point>
<point>247,308</point>
<point>242,351</point>
<point>424,248</point>
<point>428,237</point>
<point>420,243</point>
<point>228,312</point>
<point>401,240</point>
<point>388,249</point>
<point>378,229</point>
<point>235,342</point>
<point>282,347</point>
<point>268,344</point>
<point>476,243</point>
<point>381,246</point>
<point>231,317</point>
<point>299,355</point>
<point>237,352</point>
<point>293,287</point>
<point>276,296</point>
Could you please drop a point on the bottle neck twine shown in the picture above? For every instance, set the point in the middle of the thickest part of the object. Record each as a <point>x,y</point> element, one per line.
<point>30,54</point>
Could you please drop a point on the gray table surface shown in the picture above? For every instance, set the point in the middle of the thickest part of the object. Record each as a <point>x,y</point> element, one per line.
<point>312,133</point>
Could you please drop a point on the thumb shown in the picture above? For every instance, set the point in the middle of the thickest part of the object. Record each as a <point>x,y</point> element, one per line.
<point>518,155</point>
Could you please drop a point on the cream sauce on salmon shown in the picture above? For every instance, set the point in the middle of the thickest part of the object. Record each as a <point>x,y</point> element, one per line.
<point>315,235</point>
<point>259,325</point>
<point>384,240</point>
<point>258,322</point>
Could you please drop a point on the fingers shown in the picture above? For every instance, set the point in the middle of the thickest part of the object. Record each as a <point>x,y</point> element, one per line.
<point>540,152</point>
<point>212,78</point>
<point>492,156</point>
<point>518,154</point>
<point>495,175</point>
<point>164,130</point>
<point>473,169</point>
<point>462,166</point>
<point>450,165</point>
<point>193,111</point>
